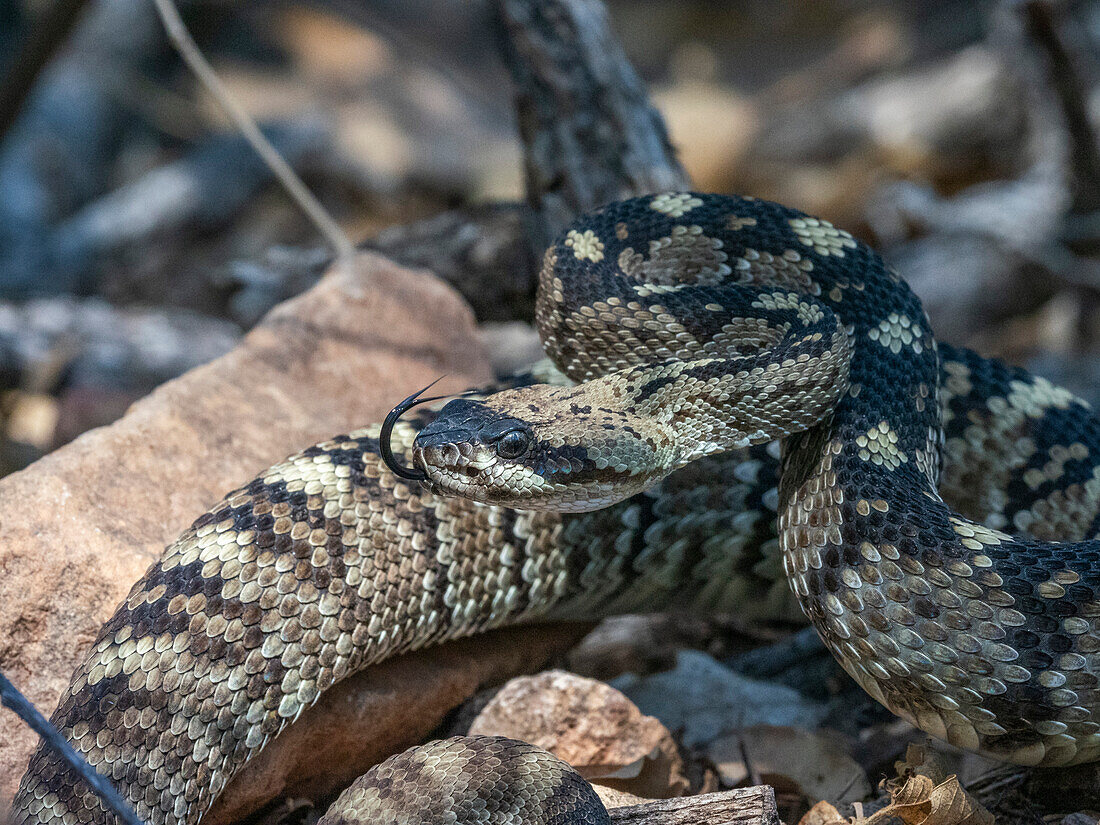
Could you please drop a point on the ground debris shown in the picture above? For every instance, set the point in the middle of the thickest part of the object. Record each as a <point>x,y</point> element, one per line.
<point>915,801</point>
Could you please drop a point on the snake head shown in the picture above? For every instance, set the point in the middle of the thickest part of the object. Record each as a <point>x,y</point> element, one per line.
<point>533,449</point>
<point>468,437</point>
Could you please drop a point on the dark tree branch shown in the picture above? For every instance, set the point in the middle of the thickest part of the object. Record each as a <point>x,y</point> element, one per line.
<point>1064,77</point>
<point>45,38</point>
<point>741,806</point>
<point>482,251</point>
<point>590,133</point>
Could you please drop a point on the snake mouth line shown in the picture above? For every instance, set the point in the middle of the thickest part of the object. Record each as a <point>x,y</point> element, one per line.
<point>455,460</point>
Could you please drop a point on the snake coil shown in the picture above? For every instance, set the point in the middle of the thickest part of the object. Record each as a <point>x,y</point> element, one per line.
<point>693,317</point>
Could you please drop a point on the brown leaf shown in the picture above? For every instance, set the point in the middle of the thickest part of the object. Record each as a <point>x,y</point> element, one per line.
<point>917,789</point>
<point>823,813</point>
<point>919,802</point>
<point>911,804</point>
<point>952,805</point>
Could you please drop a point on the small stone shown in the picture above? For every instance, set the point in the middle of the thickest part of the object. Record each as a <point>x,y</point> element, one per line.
<point>591,726</point>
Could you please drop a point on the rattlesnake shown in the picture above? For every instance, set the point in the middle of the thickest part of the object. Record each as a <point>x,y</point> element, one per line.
<point>331,561</point>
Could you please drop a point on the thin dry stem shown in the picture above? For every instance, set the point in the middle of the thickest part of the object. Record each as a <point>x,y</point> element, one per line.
<point>189,51</point>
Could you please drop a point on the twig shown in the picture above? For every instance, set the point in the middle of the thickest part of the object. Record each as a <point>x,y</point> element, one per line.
<point>750,766</point>
<point>13,700</point>
<point>46,36</point>
<point>189,51</point>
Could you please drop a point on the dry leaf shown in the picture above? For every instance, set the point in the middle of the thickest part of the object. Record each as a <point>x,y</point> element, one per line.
<point>823,813</point>
<point>916,789</point>
<point>911,805</point>
<point>919,802</point>
<point>952,805</point>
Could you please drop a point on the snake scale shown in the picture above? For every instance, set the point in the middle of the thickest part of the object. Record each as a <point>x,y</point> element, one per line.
<point>685,312</point>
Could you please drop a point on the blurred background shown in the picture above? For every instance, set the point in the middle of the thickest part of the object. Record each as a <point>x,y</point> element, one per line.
<point>140,236</point>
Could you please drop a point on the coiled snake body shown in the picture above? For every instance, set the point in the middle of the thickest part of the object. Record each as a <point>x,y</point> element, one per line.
<point>706,315</point>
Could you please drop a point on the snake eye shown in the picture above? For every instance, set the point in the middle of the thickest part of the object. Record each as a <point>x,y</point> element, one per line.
<point>513,444</point>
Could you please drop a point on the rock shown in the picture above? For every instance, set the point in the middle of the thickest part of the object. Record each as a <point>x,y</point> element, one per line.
<point>704,700</point>
<point>82,524</point>
<point>626,644</point>
<point>591,726</point>
<point>817,763</point>
<point>513,346</point>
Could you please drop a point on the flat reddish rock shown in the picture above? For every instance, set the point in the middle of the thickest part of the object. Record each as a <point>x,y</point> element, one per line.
<point>82,524</point>
<point>593,727</point>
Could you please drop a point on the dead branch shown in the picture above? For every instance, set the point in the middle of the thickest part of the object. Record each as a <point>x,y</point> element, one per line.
<point>90,342</point>
<point>205,187</point>
<point>742,806</point>
<point>590,133</point>
<point>1064,78</point>
<point>482,251</point>
<point>46,36</point>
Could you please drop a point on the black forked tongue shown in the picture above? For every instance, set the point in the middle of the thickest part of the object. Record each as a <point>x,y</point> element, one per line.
<point>386,433</point>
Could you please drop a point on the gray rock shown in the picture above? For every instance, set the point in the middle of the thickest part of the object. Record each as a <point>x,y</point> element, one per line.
<point>705,699</point>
